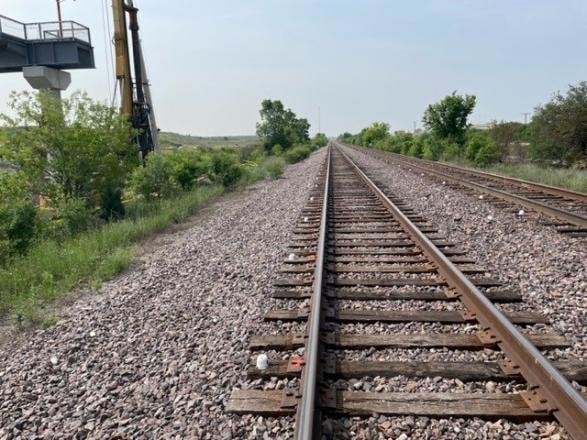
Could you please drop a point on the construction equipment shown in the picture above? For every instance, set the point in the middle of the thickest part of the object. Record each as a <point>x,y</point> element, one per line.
<point>135,95</point>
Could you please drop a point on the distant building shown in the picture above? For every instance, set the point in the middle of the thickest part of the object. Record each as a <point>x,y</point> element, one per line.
<point>485,126</point>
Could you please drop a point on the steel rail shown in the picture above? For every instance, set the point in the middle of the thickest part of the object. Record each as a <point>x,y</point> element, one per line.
<point>552,190</point>
<point>566,403</point>
<point>575,219</point>
<point>306,424</point>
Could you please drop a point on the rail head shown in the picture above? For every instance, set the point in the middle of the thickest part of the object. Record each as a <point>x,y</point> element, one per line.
<point>570,217</point>
<point>566,403</point>
<point>306,420</point>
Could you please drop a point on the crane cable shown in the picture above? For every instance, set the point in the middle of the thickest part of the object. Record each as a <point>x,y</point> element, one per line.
<point>105,34</point>
<point>108,52</point>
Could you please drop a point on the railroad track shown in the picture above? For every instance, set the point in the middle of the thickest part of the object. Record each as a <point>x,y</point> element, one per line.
<point>360,260</point>
<point>566,209</point>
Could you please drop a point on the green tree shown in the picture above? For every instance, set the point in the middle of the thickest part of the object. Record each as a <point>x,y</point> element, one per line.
<point>281,126</point>
<point>320,140</point>
<point>559,128</point>
<point>481,148</point>
<point>74,148</point>
<point>376,132</point>
<point>508,137</point>
<point>447,119</point>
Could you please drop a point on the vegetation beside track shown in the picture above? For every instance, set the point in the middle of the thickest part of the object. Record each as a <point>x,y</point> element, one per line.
<point>551,149</point>
<point>75,199</point>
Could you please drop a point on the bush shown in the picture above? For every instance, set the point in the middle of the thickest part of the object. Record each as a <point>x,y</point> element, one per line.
<point>76,216</point>
<point>18,216</point>
<point>450,150</point>
<point>252,154</point>
<point>475,142</point>
<point>559,128</point>
<point>487,154</point>
<point>416,148</point>
<point>226,168</point>
<point>187,166</point>
<point>18,221</point>
<point>481,149</point>
<point>89,145</point>
<point>153,180</point>
<point>111,206</point>
<point>319,141</point>
<point>274,167</point>
<point>297,153</point>
<point>277,150</point>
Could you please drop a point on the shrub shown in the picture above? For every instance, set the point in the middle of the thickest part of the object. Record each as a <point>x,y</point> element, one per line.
<point>450,150</point>
<point>487,154</point>
<point>481,149</point>
<point>416,148</point>
<point>253,154</point>
<point>89,145</point>
<point>187,166</point>
<point>154,179</point>
<point>226,168</point>
<point>274,167</point>
<point>320,140</point>
<point>297,153</point>
<point>111,206</point>
<point>277,150</point>
<point>432,148</point>
<point>18,216</point>
<point>76,216</point>
<point>18,221</point>
<point>558,128</point>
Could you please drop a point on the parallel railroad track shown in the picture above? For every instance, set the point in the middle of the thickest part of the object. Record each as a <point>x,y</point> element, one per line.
<point>567,209</point>
<point>361,258</point>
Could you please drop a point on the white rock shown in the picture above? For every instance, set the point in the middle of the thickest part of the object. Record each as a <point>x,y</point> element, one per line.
<point>402,437</point>
<point>53,360</point>
<point>262,361</point>
<point>521,213</point>
<point>291,257</point>
<point>92,333</point>
<point>305,219</point>
<point>481,197</point>
<point>490,218</point>
<point>444,182</point>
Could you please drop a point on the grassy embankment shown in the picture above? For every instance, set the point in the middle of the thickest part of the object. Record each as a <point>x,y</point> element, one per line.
<point>52,267</point>
<point>569,178</point>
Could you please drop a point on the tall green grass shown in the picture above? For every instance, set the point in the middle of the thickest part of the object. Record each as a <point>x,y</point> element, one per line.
<point>53,268</point>
<point>573,179</point>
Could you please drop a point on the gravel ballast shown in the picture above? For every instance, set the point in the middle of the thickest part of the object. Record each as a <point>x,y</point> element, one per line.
<point>156,352</point>
<point>545,267</point>
<point>548,270</point>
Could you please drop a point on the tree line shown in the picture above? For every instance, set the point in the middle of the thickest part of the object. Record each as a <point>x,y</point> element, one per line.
<point>555,136</point>
<point>73,166</point>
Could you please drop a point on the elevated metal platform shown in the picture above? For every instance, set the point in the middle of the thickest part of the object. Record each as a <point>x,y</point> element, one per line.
<point>60,45</point>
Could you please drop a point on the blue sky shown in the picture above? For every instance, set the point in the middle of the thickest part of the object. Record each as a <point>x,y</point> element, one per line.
<point>212,62</point>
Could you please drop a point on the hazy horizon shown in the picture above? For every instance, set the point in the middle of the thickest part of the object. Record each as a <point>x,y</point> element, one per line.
<point>211,65</point>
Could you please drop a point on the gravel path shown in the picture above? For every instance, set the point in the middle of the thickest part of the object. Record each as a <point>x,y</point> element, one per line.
<point>157,352</point>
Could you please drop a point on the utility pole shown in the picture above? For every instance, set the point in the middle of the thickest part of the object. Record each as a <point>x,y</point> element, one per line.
<point>525,117</point>
<point>319,128</point>
<point>414,126</point>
